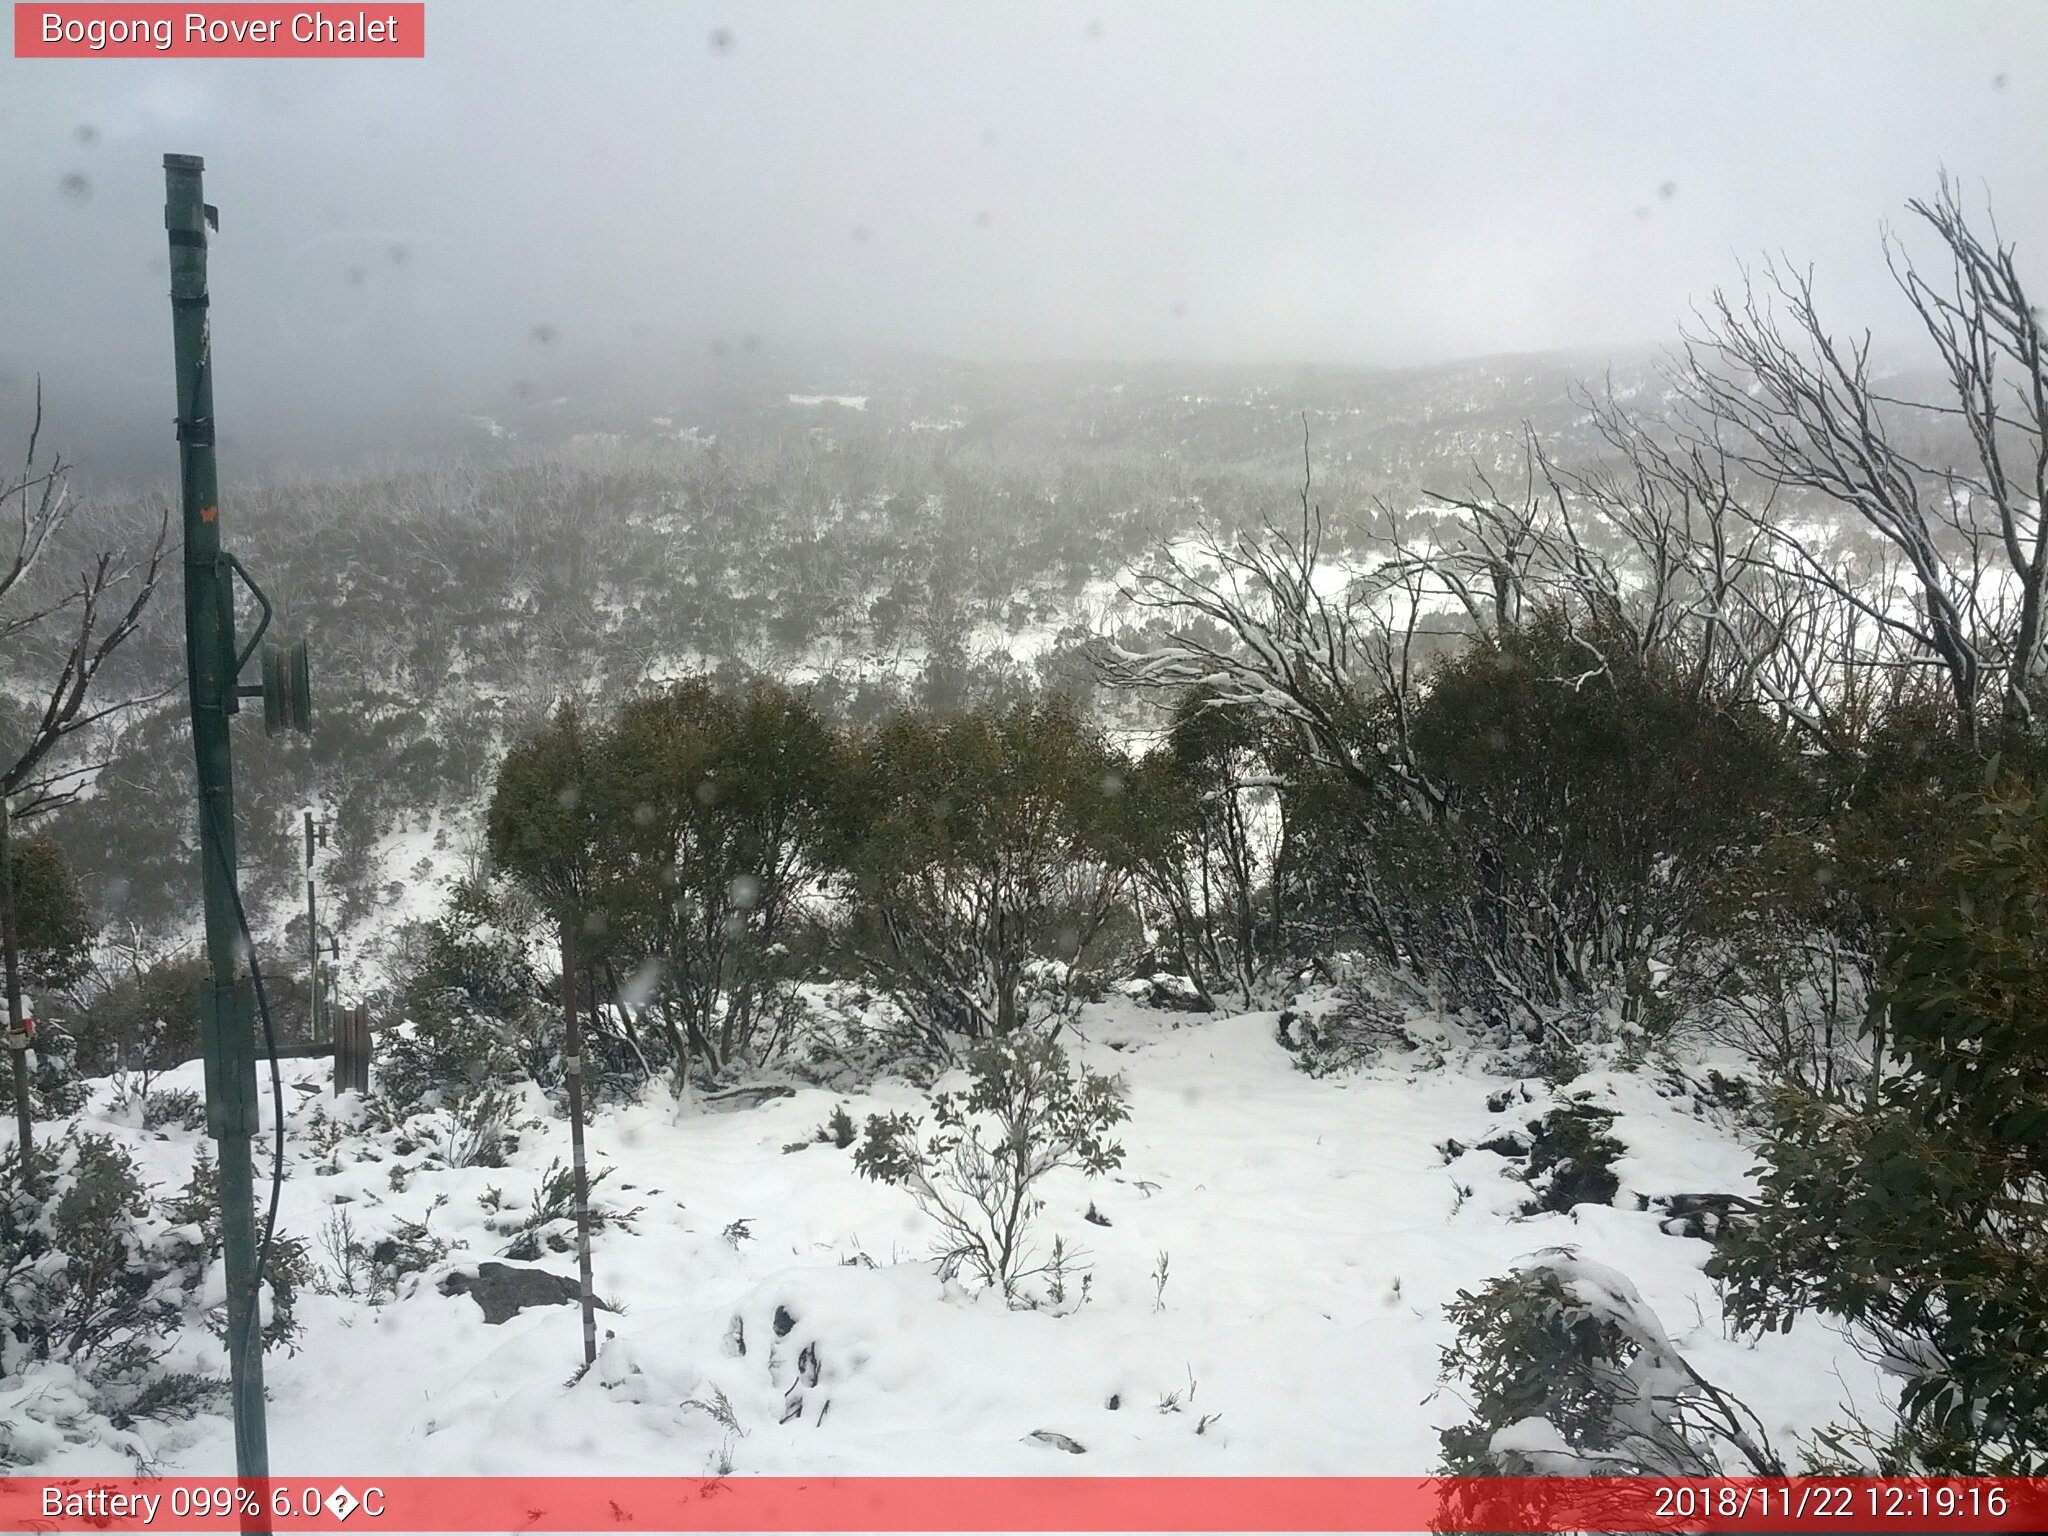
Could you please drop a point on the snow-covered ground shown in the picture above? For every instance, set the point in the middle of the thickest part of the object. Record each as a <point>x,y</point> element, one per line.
<point>1312,1231</point>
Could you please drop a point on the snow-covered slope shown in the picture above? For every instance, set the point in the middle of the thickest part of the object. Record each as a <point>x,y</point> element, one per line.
<point>1312,1231</point>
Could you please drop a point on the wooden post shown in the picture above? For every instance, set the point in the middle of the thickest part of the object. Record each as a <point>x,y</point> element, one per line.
<point>352,1049</point>
<point>572,1067</point>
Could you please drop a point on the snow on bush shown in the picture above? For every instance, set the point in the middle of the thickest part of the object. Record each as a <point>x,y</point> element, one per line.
<point>1026,1113</point>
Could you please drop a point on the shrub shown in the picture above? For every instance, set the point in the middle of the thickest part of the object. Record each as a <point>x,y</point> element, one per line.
<point>1205,834</point>
<point>549,1222</point>
<point>88,1276</point>
<point>837,1131</point>
<point>1588,798</point>
<point>482,1131</point>
<point>985,865</point>
<point>1569,1372</point>
<point>717,813</point>
<point>182,1107</point>
<point>1026,1113</point>
<point>470,960</point>
<point>442,1063</point>
<point>1571,1156</point>
<point>53,919</point>
<point>286,1268</point>
<point>1917,1217</point>
<point>99,1279</point>
<point>148,1019</point>
<point>407,1250</point>
<point>1360,1027</point>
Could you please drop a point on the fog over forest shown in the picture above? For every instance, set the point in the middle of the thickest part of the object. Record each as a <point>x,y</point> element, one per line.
<point>565,199</point>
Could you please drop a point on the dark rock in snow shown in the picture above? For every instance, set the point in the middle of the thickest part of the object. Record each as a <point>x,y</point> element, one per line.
<point>1702,1215</point>
<point>783,1322</point>
<point>751,1096</point>
<point>1095,1216</point>
<point>1058,1441</point>
<point>1572,1147</point>
<point>1176,993</point>
<point>1507,1144</point>
<point>503,1291</point>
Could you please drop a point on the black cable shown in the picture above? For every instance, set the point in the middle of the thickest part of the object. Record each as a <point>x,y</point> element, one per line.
<point>276,1075</point>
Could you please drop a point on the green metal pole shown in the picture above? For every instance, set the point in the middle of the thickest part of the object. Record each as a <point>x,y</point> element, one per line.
<point>227,1012</point>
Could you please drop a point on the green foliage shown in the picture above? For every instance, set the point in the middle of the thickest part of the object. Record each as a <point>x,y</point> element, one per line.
<point>1587,799</point>
<point>1026,1112</point>
<point>469,959</point>
<point>1203,831</point>
<point>542,825</point>
<point>1918,1216</point>
<point>985,855</point>
<point>546,572</point>
<point>719,813</point>
<point>182,1107</point>
<point>409,1249</point>
<point>549,1221</point>
<point>287,1267</point>
<point>837,1131</point>
<point>53,922</point>
<point>98,1276</point>
<point>442,1063</point>
<point>468,996</point>
<point>1571,1157</point>
<point>681,843</point>
<point>483,1130</point>
<point>376,1270</point>
<point>1798,930</point>
<point>147,1019</point>
<point>1564,1370</point>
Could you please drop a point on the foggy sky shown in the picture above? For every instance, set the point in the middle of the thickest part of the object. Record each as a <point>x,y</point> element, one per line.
<point>1363,183</point>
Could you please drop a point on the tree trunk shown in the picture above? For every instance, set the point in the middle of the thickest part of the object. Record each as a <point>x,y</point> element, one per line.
<point>10,948</point>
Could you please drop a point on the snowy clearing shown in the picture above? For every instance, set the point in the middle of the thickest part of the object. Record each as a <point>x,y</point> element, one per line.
<point>1313,1229</point>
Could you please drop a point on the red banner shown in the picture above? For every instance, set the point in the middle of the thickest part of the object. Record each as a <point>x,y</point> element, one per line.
<point>920,1504</point>
<point>374,30</point>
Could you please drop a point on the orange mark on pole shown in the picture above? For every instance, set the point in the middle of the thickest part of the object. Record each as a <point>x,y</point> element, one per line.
<point>209,514</point>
